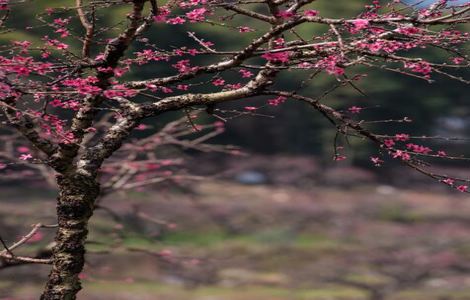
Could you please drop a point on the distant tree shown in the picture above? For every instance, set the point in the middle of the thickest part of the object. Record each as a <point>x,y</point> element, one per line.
<point>57,98</point>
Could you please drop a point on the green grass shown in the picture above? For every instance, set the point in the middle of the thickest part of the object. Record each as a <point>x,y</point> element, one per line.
<point>398,213</point>
<point>202,239</point>
<point>97,289</point>
<point>102,232</point>
<point>220,293</point>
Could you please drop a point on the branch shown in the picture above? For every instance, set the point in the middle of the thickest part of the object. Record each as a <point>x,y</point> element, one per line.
<point>89,27</point>
<point>248,13</point>
<point>83,119</point>
<point>10,256</point>
<point>24,124</point>
<point>342,121</point>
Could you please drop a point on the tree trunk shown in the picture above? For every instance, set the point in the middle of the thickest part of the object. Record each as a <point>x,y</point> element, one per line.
<point>77,194</point>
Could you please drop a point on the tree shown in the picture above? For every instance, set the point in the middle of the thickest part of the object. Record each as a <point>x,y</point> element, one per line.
<point>57,98</point>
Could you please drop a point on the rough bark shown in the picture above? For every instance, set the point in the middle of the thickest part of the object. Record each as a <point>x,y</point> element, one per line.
<point>77,194</point>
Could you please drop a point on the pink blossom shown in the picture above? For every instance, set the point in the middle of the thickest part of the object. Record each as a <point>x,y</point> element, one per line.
<point>182,87</point>
<point>422,67</point>
<point>418,148</point>
<point>462,188</point>
<point>163,12</point>
<point>389,143</point>
<point>150,55</point>
<point>218,82</point>
<point>105,70</point>
<point>61,22</point>
<point>285,14</point>
<point>244,29</point>
<point>152,166</point>
<point>448,181</point>
<point>355,109</point>
<point>166,90</point>
<point>281,57</point>
<point>208,44</point>
<point>111,94</point>
<point>176,21</point>
<point>360,24</point>
<point>311,13</point>
<point>376,161</point>
<point>279,42</point>
<point>196,15</point>
<point>22,149</point>
<point>245,73</point>
<point>25,156</point>
<point>141,127</point>
<point>99,57</point>
<point>330,64</point>
<point>68,138</point>
<point>21,71</point>
<point>74,105</point>
<point>339,157</point>
<point>409,30</point>
<point>458,60</point>
<point>57,44</point>
<point>277,101</point>
<point>402,137</point>
<point>233,86</point>
<point>441,153</point>
<point>403,155</point>
<point>219,124</point>
<point>56,103</point>
<point>37,236</point>
<point>83,86</point>
<point>63,32</point>
<point>118,72</point>
<point>193,52</point>
<point>22,44</point>
<point>250,108</point>
<point>4,4</point>
<point>151,87</point>
<point>183,66</point>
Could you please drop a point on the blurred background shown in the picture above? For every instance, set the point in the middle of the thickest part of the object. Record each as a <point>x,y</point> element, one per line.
<point>277,219</point>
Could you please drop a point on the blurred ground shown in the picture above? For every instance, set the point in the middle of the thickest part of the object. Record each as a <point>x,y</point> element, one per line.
<point>223,240</point>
